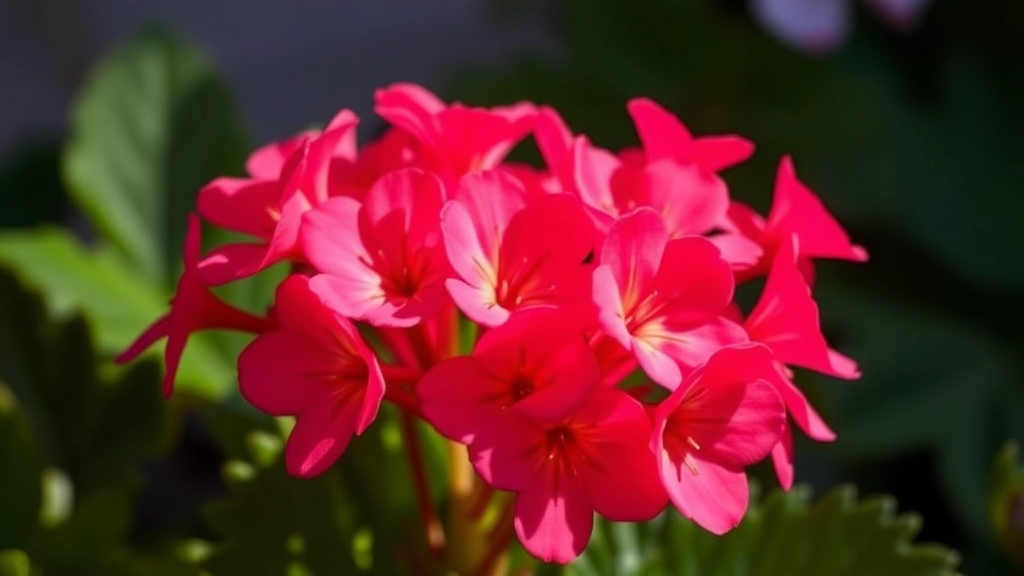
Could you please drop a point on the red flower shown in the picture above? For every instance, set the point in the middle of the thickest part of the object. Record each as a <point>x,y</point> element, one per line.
<point>316,367</point>
<point>725,416</point>
<point>193,308</point>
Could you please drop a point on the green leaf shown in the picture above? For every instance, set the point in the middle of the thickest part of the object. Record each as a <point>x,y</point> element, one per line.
<point>20,476</point>
<point>153,124</point>
<point>96,431</point>
<point>784,534</point>
<point>14,563</point>
<point>274,524</point>
<point>117,302</point>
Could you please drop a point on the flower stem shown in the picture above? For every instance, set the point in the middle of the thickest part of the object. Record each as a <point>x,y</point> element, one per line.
<point>433,529</point>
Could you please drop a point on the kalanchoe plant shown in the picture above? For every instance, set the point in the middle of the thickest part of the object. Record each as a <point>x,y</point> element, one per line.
<point>507,307</point>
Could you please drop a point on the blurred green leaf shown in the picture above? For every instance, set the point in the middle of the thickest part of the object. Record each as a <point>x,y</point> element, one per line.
<point>784,534</point>
<point>1006,501</point>
<point>91,542</point>
<point>96,431</point>
<point>14,563</point>
<point>117,301</point>
<point>153,124</point>
<point>274,524</point>
<point>20,477</point>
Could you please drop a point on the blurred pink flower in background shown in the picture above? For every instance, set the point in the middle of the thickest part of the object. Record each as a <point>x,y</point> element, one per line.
<point>820,26</point>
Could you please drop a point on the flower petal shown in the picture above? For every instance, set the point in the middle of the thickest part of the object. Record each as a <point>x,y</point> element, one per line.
<point>553,519</point>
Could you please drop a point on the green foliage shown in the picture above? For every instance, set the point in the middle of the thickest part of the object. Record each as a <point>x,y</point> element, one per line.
<point>71,444</point>
<point>274,524</point>
<point>784,534</point>
<point>1006,501</point>
<point>360,516</point>
<point>14,563</point>
<point>20,475</point>
<point>152,125</point>
<point>79,420</point>
<point>97,283</point>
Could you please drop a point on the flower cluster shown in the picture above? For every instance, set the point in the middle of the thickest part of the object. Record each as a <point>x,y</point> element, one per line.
<point>574,327</point>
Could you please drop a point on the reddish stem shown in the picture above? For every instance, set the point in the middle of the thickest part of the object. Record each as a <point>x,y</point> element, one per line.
<point>433,529</point>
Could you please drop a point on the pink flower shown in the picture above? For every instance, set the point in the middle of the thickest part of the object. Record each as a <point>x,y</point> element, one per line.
<point>725,416</point>
<point>819,26</point>
<point>455,139</point>
<point>504,262</point>
<point>663,298</point>
<point>536,364</point>
<point>796,211</point>
<point>270,208</point>
<point>316,367</point>
<point>193,308</point>
<point>562,472</point>
<point>381,260</point>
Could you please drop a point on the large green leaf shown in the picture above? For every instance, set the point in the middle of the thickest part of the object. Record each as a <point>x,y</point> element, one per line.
<point>117,302</point>
<point>153,124</point>
<point>784,534</point>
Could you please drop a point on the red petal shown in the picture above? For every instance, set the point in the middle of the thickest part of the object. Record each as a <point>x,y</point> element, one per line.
<point>553,518</point>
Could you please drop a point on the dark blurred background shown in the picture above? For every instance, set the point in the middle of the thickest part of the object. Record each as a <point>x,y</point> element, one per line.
<point>912,135</point>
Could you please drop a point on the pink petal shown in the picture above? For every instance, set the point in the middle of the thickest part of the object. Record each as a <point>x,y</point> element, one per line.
<point>620,473</point>
<point>479,303</point>
<point>541,347</point>
<point>553,518</point>
<point>716,153</point>
<point>241,204</point>
<point>694,280</point>
<point>320,436</point>
<point>456,395</point>
<point>786,316</point>
<point>545,269</point>
<point>739,251</point>
<point>812,25</point>
<point>782,459</point>
<point>283,373</point>
<point>690,200</point>
<point>691,348</point>
<point>508,450</point>
<point>661,132</point>
<point>713,495</point>
<point>355,295</point>
<point>609,303</point>
<point>633,251</point>
<point>409,107</point>
<point>796,210</point>
<point>658,365</point>
<point>232,261</point>
<point>842,366</point>
<point>805,416</point>
<point>594,168</point>
<point>555,142</point>
<point>268,161</point>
